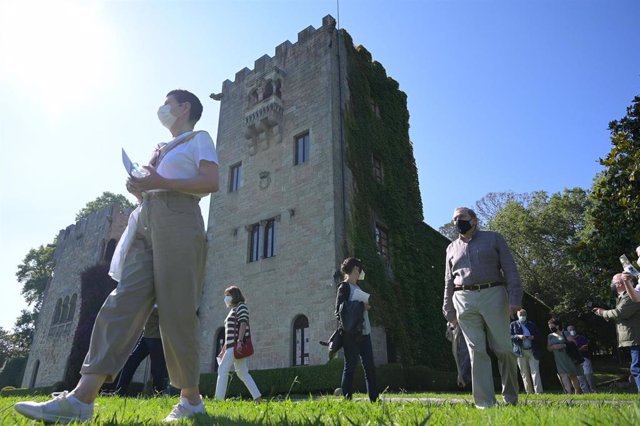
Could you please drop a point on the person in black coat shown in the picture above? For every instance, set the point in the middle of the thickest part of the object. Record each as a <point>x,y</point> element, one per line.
<point>357,340</point>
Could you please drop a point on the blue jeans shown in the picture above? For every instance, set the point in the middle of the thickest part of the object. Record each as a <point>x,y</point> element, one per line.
<point>635,364</point>
<point>354,348</point>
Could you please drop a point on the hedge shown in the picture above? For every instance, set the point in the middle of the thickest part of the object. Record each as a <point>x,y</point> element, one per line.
<point>326,378</point>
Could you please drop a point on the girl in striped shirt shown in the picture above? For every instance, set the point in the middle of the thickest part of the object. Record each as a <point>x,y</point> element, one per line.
<point>239,314</point>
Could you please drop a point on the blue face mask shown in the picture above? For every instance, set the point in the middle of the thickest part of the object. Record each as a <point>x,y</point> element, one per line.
<point>522,319</point>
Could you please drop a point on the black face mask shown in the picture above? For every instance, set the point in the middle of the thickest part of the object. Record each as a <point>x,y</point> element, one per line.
<point>553,329</point>
<point>463,226</point>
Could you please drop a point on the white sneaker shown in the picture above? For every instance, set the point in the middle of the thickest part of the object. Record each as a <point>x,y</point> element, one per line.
<point>184,410</point>
<point>63,408</point>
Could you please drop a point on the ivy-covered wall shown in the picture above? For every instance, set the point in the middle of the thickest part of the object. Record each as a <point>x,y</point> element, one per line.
<point>406,293</point>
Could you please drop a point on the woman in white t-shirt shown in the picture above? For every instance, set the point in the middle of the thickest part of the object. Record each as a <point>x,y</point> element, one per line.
<point>163,265</point>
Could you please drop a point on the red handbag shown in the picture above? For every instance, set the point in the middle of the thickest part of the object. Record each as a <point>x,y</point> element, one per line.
<point>247,344</point>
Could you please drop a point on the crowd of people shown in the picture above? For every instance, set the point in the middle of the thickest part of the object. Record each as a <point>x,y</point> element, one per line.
<point>159,263</point>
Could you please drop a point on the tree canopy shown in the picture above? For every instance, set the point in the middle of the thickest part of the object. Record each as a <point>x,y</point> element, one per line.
<point>106,199</point>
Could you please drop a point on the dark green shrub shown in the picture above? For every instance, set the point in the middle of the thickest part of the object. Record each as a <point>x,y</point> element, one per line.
<point>12,372</point>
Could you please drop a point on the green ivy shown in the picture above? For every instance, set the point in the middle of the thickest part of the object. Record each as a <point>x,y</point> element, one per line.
<point>407,293</point>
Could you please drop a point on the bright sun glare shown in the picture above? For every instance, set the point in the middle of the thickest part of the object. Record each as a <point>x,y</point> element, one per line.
<point>58,52</point>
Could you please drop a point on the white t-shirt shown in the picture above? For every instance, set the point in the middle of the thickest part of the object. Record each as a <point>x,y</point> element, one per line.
<point>183,161</point>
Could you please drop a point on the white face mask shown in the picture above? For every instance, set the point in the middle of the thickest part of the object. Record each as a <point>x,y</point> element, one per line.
<point>361,277</point>
<point>522,319</point>
<point>227,300</point>
<point>166,118</point>
<point>572,332</point>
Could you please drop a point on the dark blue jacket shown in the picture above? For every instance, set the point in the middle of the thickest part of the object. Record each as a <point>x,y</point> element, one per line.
<point>516,328</point>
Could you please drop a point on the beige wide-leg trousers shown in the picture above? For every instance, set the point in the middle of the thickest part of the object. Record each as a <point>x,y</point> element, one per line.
<point>165,265</point>
<point>484,314</point>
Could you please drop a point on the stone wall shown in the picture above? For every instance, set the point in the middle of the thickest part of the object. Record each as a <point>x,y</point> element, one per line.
<point>78,246</point>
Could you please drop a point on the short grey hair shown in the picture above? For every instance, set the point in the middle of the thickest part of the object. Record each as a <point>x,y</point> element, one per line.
<point>468,210</point>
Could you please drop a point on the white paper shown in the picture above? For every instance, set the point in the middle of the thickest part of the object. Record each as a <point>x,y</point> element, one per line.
<point>219,359</point>
<point>360,296</point>
<point>128,164</point>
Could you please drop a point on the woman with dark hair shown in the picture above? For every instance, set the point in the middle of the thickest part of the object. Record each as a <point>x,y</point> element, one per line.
<point>236,327</point>
<point>567,371</point>
<point>356,344</point>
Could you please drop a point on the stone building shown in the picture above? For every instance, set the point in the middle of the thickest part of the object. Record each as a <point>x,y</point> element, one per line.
<point>281,223</point>
<point>80,246</point>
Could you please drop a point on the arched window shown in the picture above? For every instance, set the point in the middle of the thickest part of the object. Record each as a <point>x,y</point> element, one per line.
<point>72,307</point>
<point>278,88</point>
<point>301,340</point>
<point>65,310</point>
<point>111,248</point>
<point>268,90</point>
<point>219,342</point>
<point>57,312</point>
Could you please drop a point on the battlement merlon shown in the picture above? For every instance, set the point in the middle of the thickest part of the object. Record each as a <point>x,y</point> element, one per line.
<point>265,62</point>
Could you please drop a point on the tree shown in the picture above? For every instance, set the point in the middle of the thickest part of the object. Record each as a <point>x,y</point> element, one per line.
<point>489,205</point>
<point>23,332</point>
<point>542,235</point>
<point>34,273</point>
<point>449,230</point>
<point>613,221</point>
<point>106,199</point>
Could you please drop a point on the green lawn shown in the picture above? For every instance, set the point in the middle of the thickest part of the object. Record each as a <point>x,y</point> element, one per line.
<point>604,409</point>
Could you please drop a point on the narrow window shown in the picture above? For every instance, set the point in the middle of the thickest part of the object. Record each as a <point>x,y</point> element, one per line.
<point>270,238</point>
<point>382,242</point>
<point>301,341</point>
<point>235,175</point>
<point>65,310</point>
<point>254,243</point>
<point>378,172</point>
<point>57,312</point>
<point>279,88</point>
<point>72,307</point>
<point>302,149</point>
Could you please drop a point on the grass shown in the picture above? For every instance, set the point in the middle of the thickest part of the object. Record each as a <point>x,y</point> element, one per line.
<point>551,410</point>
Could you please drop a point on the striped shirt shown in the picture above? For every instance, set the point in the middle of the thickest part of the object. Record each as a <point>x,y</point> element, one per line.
<point>238,314</point>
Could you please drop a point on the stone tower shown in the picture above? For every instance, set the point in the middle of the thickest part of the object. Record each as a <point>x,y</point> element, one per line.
<point>277,225</point>
<point>79,246</point>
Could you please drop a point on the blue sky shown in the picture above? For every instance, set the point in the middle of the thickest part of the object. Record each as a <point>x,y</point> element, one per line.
<point>503,95</point>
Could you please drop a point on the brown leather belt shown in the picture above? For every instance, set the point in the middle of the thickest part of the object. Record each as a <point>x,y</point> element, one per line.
<point>475,287</point>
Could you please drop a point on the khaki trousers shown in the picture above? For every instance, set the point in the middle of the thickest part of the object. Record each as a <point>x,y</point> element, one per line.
<point>165,265</point>
<point>484,315</point>
<point>530,369</point>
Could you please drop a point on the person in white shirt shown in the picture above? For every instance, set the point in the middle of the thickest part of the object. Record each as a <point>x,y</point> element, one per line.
<point>164,265</point>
